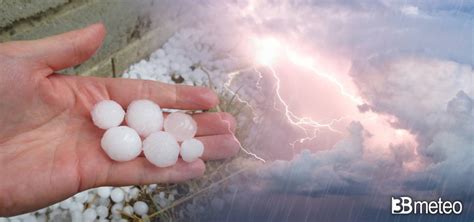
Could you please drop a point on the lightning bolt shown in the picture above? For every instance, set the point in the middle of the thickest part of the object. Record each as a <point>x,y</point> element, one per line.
<point>267,50</point>
<point>265,55</point>
<point>270,48</point>
<point>309,126</point>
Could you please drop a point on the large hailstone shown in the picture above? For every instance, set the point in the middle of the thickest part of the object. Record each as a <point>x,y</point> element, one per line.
<point>181,125</point>
<point>121,143</point>
<point>161,149</point>
<point>107,114</point>
<point>191,150</point>
<point>144,116</point>
<point>117,195</point>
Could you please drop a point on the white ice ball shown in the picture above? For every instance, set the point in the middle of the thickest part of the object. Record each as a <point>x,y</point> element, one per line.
<point>144,116</point>
<point>126,189</point>
<point>42,210</point>
<point>161,149</point>
<point>107,114</point>
<point>140,208</point>
<point>76,206</point>
<point>41,218</point>
<point>89,214</point>
<point>116,208</point>
<point>81,197</point>
<point>121,143</point>
<point>191,150</point>
<point>76,216</point>
<point>128,210</point>
<point>102,211</point>
<point>181,125</point>
<point>65,204</point>
<point>134,192</point>
<point>54,206</point>
<point>104,192</point>
<point>104,201</point>
<point>117,195</point>
<point>28,218</point>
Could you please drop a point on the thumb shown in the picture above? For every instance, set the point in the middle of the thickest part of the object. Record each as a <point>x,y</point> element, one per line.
<point>67,49</point>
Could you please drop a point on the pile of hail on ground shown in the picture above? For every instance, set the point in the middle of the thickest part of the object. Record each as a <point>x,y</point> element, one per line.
<point>178,61</point>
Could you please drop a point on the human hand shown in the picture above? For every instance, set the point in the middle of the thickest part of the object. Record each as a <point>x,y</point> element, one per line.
<point>49,147</point>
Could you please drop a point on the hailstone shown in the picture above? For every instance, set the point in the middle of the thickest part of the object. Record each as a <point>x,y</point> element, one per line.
<point>89,214</point>
<point>191,150</point>
<point>117,195</point>
<point>81,197</point>
<point>116,208</point>
<point>76,216</point>
<point>121,143</point>
<point>181,125</point>
<point>144,116</point>
<point>65,204</point>
<point>76,206</point>
<point>161,149</point>
<point>128,210</point>
<point>107,114</point>
<point>28,218</point>
<point>104,192</point>
<point>102,211</point>
<point>140,208</point>
<point>134,192</point>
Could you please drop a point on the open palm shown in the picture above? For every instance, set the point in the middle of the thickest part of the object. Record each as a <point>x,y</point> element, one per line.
<point>49,148</point>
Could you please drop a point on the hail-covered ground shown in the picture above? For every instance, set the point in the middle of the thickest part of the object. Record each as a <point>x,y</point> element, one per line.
<point>193,56</point>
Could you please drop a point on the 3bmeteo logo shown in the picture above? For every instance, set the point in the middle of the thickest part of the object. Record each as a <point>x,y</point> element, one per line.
<point>406,205</point>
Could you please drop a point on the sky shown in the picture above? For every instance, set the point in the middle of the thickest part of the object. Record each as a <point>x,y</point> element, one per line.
<point>403,123</point>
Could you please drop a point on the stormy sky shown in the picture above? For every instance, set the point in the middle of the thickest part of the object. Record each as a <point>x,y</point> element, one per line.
<point>409,61</point>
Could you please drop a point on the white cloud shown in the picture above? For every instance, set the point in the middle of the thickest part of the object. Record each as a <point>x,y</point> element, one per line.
<point>410,10</point>
<point>414,89</point>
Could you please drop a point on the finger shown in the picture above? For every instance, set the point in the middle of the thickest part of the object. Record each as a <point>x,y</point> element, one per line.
<point>140,171</point>
<point>219,146</point>
<point>213,123</point>
<point>124,91</point>
<point>90,90</point>
<point>65,50</point>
